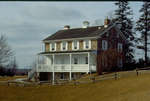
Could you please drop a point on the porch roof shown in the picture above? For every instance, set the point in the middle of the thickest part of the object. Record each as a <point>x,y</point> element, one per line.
<point>77,51</point>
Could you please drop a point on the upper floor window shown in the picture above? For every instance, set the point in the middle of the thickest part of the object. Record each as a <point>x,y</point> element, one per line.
<point>75,45</point>
<point>119,61</point>
<point>104,45</point>
<point>86,60</point>
<point>64,45</point>
<point>119,47</point>
<point>87,44</point>
<point>75,61</point>
<point>62,76</point>
<point>53,47</point>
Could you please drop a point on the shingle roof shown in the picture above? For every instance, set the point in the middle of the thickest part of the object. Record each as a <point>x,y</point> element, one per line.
<point>76,33</point>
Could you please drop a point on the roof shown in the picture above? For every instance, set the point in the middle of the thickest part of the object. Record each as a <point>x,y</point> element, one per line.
<point>76,33</point>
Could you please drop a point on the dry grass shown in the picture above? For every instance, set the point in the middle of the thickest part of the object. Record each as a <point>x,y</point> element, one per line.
<point>127,88</point>
<point>10,78</point>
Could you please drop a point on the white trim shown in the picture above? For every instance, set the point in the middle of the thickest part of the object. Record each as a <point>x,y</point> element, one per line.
<point>89,62</point>
<point>83,44</point>
<point>66,45</point>
<point>53,68</point>
<point>72,45</point>
<point>65,53</point>
<point>55,46</point>
<point>49,46</point>
<point>61,46</point>
<point>70,66</point>
<point>89,44</point>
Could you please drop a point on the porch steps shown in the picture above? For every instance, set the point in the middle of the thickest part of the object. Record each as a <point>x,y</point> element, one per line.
<point>31,74</point>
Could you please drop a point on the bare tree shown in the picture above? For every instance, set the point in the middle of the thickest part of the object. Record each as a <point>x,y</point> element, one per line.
<point>109,59</point>
<point>5,51</point>
<point>13,67</point>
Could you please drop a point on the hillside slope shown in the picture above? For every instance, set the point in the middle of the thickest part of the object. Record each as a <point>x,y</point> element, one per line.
<point>129,88</point>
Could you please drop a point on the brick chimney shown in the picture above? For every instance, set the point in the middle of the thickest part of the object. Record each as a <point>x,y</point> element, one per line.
<point>66,27</point>
<point>106,22</point>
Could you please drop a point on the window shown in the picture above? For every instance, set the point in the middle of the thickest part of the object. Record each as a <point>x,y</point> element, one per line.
<point>86,60</point>
<point>120,62</point>
<point>53,46</point>
<point>75,61</point>
<point>104,45</point>
<point>52,61</point>
<point>119,47</point>
<point>75,45</point>
<point>64,45</point>
<point>87,44</point>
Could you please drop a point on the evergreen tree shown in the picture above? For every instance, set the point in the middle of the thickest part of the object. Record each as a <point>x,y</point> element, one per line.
<point>143,27</point>
<point>123,15</point>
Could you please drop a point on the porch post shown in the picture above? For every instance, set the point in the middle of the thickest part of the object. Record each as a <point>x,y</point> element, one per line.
<point>37,63</point>
<point>53,68</point>
<point>70,66</point>
<point>89,62</point>
<point>36,70</point>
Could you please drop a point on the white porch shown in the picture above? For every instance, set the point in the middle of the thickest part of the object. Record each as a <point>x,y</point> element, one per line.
<point>84,62</point>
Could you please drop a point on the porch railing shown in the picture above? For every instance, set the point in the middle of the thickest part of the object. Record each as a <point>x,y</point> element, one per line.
<point>65,68</point>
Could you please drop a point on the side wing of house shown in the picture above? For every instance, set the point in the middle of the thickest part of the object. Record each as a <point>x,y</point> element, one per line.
<point>110,50</point>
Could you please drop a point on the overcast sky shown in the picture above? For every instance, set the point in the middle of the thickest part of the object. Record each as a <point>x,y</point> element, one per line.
<point>27,23</point>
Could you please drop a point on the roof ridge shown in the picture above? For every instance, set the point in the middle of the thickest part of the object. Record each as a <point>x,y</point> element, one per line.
<point>81,28</point>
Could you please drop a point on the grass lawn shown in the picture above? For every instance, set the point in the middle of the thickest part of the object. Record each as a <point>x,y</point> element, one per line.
<point>128,88</point>
<point>10,78</point>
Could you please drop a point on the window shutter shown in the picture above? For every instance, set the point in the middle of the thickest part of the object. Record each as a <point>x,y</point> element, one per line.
<point>84,44</point>
<point>89,44</point>
<point>77,44</point>
<point>55,46</point>
<point>50,48</point>
<point>66,45</point>
<point>72,45</point>
<point>61,46</point>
